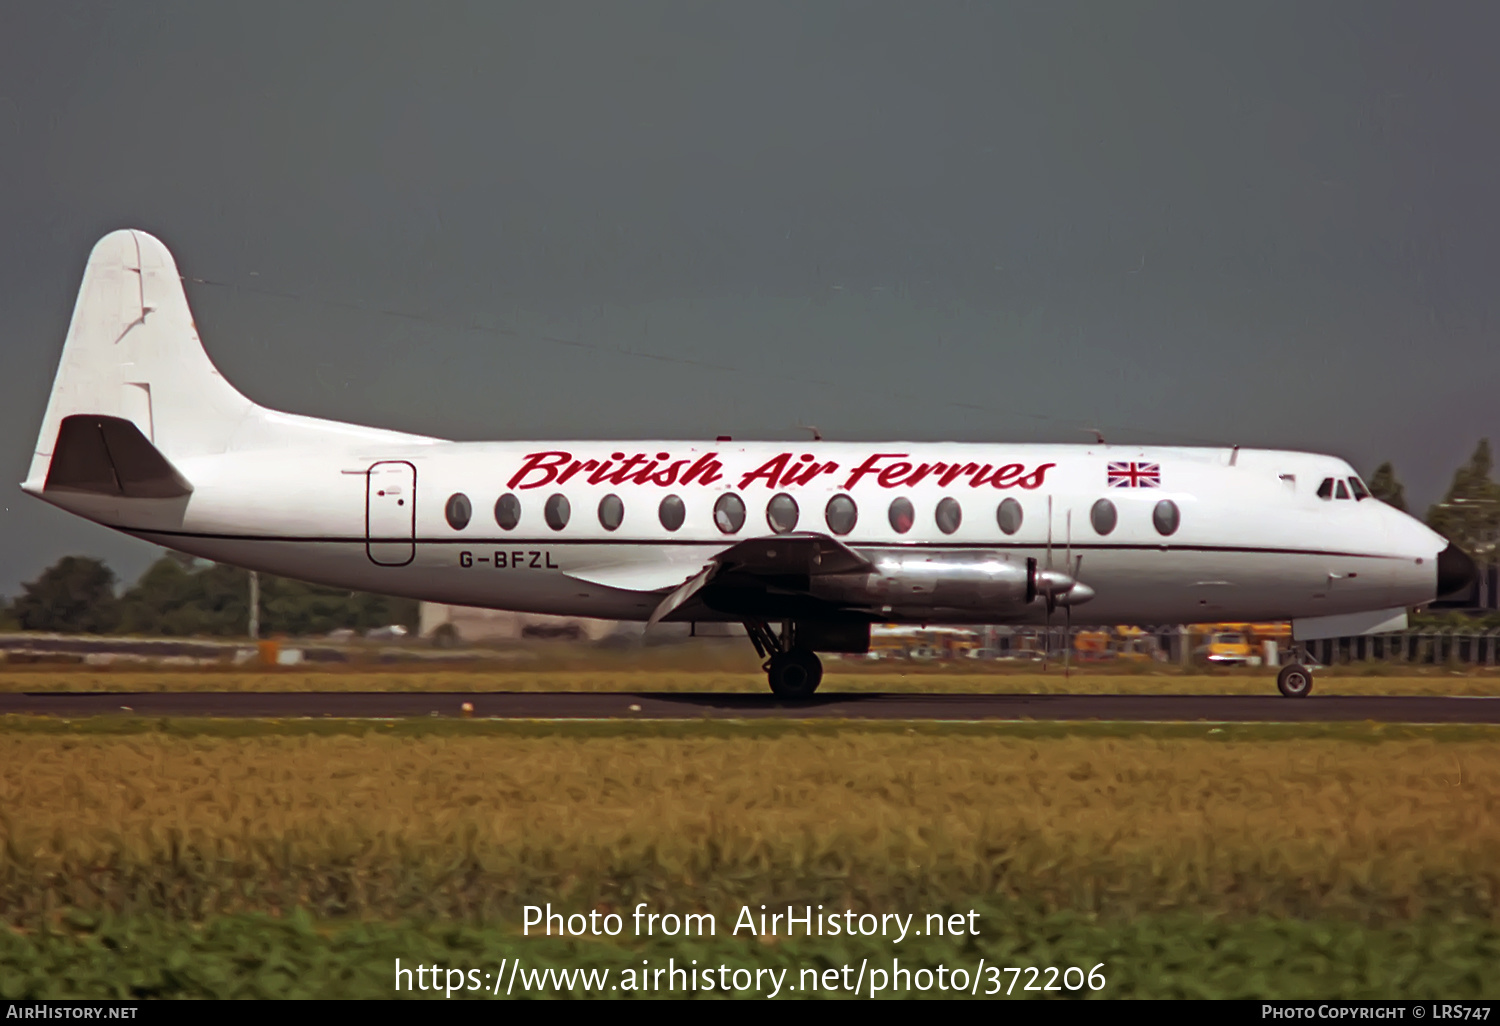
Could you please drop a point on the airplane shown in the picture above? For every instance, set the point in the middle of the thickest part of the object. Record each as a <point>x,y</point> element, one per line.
<point>805,544</point>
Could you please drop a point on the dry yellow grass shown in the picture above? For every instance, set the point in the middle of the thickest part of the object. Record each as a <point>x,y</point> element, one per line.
<point>473,826</point>
<point>841,676</point>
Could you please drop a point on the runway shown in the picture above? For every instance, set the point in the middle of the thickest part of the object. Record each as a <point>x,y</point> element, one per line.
<point>694,706</point>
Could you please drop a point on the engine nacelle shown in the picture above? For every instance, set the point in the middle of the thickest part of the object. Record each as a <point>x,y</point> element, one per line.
<point>911,582</point>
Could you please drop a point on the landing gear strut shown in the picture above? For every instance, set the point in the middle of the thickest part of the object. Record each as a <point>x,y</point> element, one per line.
<point>792,670</point>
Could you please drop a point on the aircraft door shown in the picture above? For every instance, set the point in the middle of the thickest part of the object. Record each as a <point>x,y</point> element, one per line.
<point>391,513</point>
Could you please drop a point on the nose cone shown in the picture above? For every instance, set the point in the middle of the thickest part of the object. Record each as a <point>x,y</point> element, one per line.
<point>1455,571</point>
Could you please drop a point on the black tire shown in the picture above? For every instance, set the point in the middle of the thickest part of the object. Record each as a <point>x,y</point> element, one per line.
<point>795,674</point>
<point>1294,681</point>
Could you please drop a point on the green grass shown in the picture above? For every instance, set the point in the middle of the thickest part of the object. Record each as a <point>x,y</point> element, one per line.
<point>1148,956</point>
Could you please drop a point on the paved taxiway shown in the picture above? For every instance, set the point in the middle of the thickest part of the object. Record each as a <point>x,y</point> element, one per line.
<point>690,706</point>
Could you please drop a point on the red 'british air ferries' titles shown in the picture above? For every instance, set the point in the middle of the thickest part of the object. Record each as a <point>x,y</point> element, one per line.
<point>886,469</point>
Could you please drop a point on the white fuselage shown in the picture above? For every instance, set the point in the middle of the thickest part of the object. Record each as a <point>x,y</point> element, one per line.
<point>143,434</point>
<point>1254,540</point>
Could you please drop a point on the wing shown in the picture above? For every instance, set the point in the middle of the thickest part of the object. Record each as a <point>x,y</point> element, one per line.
<point>764,577</point>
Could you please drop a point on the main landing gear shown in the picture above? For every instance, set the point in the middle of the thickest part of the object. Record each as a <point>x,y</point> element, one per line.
<point>1294,681</point>
<point>792,670</point>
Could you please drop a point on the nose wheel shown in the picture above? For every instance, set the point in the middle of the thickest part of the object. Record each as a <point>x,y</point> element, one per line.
<point>1294,681</point>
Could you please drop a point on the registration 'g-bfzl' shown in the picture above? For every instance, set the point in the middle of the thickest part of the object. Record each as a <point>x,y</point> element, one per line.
<point>806,545</point>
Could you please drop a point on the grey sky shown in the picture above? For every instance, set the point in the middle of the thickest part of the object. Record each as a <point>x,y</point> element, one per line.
<point>1264,223</point>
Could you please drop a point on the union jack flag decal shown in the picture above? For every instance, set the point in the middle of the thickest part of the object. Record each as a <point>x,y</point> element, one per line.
<point>1135,475</point>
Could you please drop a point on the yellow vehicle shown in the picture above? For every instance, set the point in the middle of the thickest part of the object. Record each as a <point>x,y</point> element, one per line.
<point>905,641</point>
<point>1231,648</point>
<point>1242,644</point>
<point>1130,644</point>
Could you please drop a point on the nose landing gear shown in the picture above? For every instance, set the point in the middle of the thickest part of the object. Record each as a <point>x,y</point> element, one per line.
<point>793,671</point>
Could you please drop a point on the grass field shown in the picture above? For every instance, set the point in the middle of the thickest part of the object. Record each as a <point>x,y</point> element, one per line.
<point>472,826</point>
<point>241,858</point>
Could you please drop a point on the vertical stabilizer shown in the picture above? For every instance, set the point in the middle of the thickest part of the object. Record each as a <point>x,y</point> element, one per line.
<point>132,352</point>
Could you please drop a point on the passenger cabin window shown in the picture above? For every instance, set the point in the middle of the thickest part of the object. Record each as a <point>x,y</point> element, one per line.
<point>556,511</point>
<point>458,511</point>
<point>1341,490</point>
<point>949,515</point>
<point>1358,488</point>
<point>507,511</point>
<point>902,515</point>
<point>781,513</point>
<point>671,512</point>
<point>841,514</point>
<point>1008,515</point>
<point>1104,516</point>
<point>611,512</point>
<point>1165,517</point>
<point>729,513</point>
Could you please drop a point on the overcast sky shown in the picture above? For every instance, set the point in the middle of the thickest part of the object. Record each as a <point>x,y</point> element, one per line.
<point>1271,224</point>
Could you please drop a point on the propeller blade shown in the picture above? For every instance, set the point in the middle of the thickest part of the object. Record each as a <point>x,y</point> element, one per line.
<point>1051,598</point>
<point>1068,609</point>
<point>1068,560</point>
<point>1047,635</point>
<point>1049,532</point>
<point>1068,652</point>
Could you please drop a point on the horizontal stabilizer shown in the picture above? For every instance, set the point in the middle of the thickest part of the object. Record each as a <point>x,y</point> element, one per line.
<point>109,456</point>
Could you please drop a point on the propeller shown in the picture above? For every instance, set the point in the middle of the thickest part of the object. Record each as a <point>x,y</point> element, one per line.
<point>1061,587</point>
<point>1048,597</point>
<point>1068,607</point>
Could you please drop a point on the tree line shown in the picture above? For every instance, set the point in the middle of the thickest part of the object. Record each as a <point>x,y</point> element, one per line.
<point>179,598</point>
<point>1468,515</point>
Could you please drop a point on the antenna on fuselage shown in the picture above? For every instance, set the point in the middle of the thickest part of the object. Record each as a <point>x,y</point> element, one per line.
<point>817,435</point>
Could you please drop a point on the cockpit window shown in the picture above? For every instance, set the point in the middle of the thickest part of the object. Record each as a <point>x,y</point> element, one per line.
<point>1325,490</point>
<point>1358,488</point>
<point>1341,491</point>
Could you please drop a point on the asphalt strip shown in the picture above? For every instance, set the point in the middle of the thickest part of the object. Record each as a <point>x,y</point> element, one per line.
<point>640,706</point>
